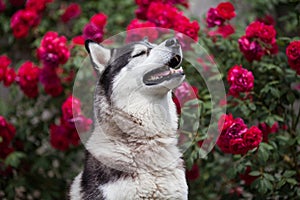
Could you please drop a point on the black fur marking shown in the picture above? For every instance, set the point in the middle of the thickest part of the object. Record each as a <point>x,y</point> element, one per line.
<point>86,44</point>
<point>120,58</point>
<point>96,174</point>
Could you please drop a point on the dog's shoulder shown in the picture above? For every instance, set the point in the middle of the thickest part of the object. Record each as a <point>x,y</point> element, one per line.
<point>94,175</point>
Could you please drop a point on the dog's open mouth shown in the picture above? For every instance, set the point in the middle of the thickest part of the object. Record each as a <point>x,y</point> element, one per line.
<point>167,72</point>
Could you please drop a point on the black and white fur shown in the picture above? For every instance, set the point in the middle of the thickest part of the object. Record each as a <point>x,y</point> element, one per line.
<point>132,152</point>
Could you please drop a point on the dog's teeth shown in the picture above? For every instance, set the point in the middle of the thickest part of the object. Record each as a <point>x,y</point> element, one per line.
<point>172,71</point>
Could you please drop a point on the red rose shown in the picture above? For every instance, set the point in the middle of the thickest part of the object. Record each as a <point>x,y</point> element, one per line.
<point>260,39</point>
<point>21,22</point>
<point>10,76</point>
<point>253,137</point>
<point>143,5</point>
<point>225,122</point>
<point>20,31</point>
<point>177,104</point>
<point>27,78</point>
<point>232,130</point>
<point>223,30</point>
<point>82,123</point>
<point>213,18</point>
<point>37,5</point>
<point>293,55</point>
<point>268,20</point>
<point>72,117</point>
<point>184,25</point>
<point>162,15</point>
<point>51,82</point>
<point>183,94</point>
<point>248,179</point>
<point>235,137</point>
<point>254,29</point>
<point>72,121</point>
<point>99,20</point>
<point>2,6</point>
<point>71,107</point>
<point>240,80</point>
<point>74,138</point>
<point>267,34</point>
<point>4,152</point>
<point>53,50</point>
<point>7,133</point>
<point>71,12</point>
<point>251,50</point>
<point>266,130</point>
<point>137,30</point>
<point>78,40</point>
<point>193,173</point>
<point>4,63</point>
<point>93,32</point>
<point>141,12</point>
<point>237,146</point>
<point>54,88</point>
<point>58,137</point>
<point>226,10</point>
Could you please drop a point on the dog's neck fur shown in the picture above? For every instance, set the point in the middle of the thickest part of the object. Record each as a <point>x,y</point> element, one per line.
<point>122,132</point>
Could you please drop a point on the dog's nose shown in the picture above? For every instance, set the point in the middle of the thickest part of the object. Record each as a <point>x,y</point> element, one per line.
<point>172,42</point>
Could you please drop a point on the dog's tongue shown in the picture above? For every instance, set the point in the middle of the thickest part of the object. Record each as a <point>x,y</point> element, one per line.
<point>170,71</point>
<point>165,73</point>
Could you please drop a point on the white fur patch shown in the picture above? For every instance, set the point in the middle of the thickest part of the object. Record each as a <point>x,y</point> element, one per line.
<point>160,185</point>
<point>75,193</point>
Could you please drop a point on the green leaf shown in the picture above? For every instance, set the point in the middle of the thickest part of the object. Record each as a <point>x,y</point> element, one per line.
<point>269,177</point>
<point>262,186</point>
<point>263,154</point>
<point>275,92</point>
<point>292,181</point>
<point>270,120</point>
<point>14,159</point>
<point>290,97</point>
<point>283,138</point>
<point>268,184</point>
<point>281,183</point>
<point>252,106</point>
<point>298,139</point>
<point>278,118</point>
<point>255,173</point>
<point>289,173</point>
<point>266,146</point>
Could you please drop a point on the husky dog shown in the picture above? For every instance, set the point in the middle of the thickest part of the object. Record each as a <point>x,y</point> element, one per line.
<point>132,152</point>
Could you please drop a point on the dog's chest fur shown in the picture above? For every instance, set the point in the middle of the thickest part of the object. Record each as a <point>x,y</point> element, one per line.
<point>132,153</point>
<point>98,181</point>
<point>126,165</point>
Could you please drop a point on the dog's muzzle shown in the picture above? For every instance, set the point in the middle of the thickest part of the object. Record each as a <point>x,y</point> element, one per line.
<point>169,70</point>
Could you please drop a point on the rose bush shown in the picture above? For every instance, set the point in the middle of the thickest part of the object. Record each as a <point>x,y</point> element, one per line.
<point>256,48</point>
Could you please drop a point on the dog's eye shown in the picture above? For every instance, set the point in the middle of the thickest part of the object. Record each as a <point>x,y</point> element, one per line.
<point>139,53</point>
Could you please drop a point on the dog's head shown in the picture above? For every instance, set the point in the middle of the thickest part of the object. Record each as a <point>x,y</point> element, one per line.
<point>141,66</point>
<point>139,75</point>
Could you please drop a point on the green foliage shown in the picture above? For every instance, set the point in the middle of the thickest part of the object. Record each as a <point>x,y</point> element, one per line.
<point>275,163</point>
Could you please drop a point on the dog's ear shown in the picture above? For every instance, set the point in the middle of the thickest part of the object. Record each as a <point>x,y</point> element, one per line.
<point>98,54</point>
